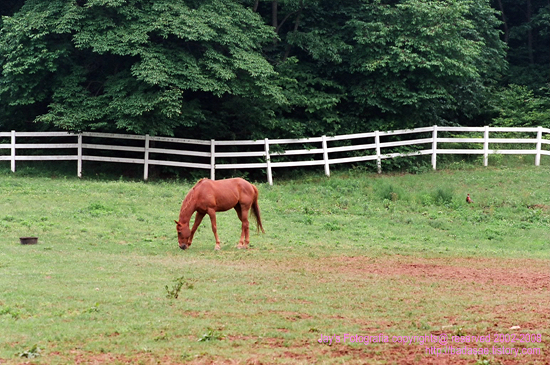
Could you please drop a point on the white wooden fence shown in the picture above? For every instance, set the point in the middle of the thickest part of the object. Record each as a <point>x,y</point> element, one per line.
<point>269,154</point>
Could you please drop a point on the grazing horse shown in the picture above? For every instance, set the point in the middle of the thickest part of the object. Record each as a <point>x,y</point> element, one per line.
<point>208,197</point>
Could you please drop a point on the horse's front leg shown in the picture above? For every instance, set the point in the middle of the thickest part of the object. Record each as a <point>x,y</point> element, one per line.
<point>198,219</point>
<point>212,214</point>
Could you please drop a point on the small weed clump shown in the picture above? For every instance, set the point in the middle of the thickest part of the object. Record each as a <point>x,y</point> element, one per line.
<point>31,353</point>
<point>179,283</point>
<point>210,335</point>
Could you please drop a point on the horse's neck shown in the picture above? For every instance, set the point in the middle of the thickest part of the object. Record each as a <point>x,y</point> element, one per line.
<point>187,208</point>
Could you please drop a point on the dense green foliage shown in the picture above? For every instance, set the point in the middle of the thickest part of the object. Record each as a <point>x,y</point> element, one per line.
<point>250,69</point>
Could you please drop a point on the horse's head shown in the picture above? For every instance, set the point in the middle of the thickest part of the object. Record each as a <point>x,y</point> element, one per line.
<point>183,234</point>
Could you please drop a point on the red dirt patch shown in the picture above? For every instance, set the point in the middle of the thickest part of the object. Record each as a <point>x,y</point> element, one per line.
<point>521,273</point>
<point>81,357</point>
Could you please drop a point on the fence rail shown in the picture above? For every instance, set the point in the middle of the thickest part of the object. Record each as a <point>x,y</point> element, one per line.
<point>275,153</point>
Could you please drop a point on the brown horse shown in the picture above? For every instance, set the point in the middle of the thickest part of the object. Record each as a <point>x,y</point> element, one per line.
<point>208,197</point>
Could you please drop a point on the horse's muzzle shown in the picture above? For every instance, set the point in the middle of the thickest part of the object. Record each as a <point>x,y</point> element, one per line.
<point>183,247</point>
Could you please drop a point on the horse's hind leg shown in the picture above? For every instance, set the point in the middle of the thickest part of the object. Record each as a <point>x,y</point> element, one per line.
<point>239,214</point>
<point>245,230</point>
<point>212,214</point>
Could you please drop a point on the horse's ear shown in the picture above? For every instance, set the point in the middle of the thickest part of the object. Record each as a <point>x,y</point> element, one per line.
<point>176,221</point>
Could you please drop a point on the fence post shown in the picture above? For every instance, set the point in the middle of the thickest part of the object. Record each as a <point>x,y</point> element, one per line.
<point>212,159</point>
<point>378,157</point>
<point>434,148</point>
<point>325,156</point>
<point>268,162</point>
<point>539,146</point>
<point>486,146</point>
<point>79,161</point>
<point>146,159</point>
<point>13,151</point>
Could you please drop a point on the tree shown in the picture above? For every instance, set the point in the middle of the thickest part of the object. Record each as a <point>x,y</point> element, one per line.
<point>386,64</point>
<point>137,65</point>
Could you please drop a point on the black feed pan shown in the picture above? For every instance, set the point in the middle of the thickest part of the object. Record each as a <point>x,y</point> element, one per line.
<point>28,240</point>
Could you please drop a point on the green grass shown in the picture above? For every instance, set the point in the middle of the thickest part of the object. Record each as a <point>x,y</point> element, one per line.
<point>356,253</point>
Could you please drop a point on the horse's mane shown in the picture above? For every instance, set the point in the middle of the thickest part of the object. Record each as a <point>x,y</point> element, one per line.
<point>188,198</point>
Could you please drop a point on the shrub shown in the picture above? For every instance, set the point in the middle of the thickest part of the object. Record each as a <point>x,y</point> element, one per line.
<point>518,106</point>
<point>443,196</point>
<point>391,193</point>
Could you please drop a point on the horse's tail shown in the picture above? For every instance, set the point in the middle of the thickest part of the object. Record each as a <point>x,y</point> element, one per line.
<point>256,211</point>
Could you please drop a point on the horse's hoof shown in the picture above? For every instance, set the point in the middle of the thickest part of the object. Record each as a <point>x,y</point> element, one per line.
<point>217,248</point>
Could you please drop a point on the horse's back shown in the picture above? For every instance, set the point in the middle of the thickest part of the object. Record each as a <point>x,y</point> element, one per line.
<point>224,194</point>
<point>225,185</point>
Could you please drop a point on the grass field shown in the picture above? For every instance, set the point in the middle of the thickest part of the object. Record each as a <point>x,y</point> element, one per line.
<point>356,254</point>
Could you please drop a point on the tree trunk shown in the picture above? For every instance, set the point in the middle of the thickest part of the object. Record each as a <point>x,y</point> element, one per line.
<point>296,24</point>
<point>530,33</point>
<point>506,30</point>
<point>274,13</point>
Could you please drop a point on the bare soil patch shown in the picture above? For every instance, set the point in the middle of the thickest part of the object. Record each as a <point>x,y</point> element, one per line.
<point>524,274</point>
